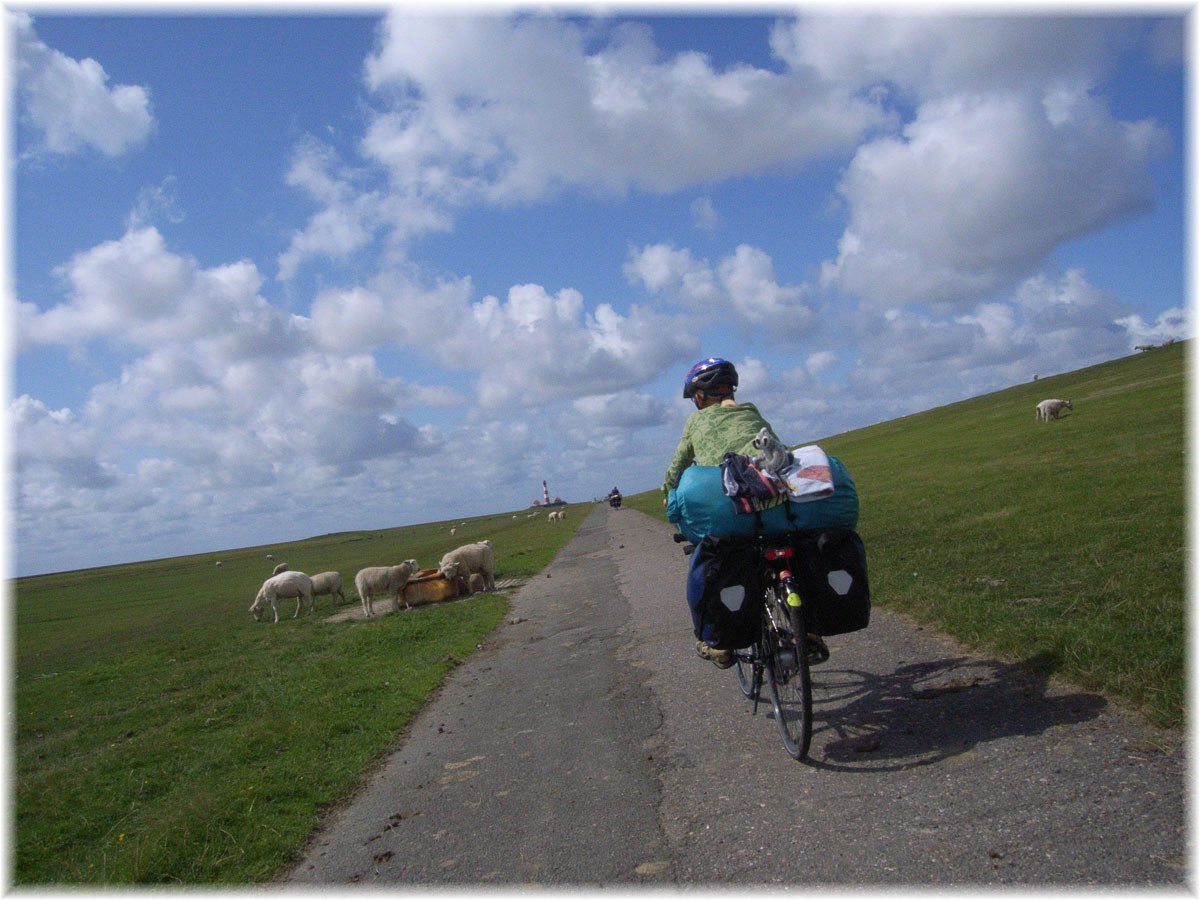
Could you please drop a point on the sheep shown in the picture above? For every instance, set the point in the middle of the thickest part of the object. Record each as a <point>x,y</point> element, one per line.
<point>476,584</point>
<point>282,567</point>
<point>384,580</point>
<point>1050,409</point>
<point>453,530</point>
<point>219,564</point>
<point>468,560</point>
<point>329,583</point>
<point>282,587</point>
<point>1144,347</point>
<point>270,557</point>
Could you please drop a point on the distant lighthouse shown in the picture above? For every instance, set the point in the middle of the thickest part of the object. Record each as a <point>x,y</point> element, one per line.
<point>545,493</point>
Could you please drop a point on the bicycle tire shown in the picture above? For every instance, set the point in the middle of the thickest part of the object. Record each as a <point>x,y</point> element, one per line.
<point>748,678</point>
<point>789,681</point>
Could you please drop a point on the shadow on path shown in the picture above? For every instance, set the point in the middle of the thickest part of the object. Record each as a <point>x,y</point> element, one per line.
<point>924,713</point>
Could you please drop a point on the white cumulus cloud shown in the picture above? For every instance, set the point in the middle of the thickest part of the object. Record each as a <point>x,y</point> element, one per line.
<point>70,103</point>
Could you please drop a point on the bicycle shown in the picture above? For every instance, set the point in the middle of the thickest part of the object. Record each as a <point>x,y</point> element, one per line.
<point>784,652</point>
<point>785,645</point>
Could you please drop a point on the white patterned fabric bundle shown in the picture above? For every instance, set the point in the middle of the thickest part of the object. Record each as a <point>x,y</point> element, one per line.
<point>809,476</point>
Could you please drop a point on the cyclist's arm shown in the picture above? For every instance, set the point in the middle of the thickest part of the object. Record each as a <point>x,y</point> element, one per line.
<point>685,453</point>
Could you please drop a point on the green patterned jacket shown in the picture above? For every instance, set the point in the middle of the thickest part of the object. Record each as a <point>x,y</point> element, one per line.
<point>710,433</point>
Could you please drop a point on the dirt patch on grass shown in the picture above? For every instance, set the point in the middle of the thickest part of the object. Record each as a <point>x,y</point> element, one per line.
<point>353,609</point>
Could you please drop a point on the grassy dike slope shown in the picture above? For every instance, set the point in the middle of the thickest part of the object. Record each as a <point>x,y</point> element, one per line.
<point>163,737</point>
<point>1061,545</point>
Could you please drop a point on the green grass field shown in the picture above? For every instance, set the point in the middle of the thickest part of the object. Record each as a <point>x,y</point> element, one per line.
<point>161,736</point>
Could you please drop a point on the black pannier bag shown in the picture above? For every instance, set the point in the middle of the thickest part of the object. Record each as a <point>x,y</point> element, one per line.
<point>724,589</point>
<point>833,577</point>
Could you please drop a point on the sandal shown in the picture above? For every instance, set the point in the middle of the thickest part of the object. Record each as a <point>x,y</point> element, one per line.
<point>722,659</point>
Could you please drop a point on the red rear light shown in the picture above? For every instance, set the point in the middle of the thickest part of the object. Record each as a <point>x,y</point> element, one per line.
<point>779,553</point>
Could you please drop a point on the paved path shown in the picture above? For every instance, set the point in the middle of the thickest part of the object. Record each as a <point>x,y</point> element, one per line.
<point>586,744</point>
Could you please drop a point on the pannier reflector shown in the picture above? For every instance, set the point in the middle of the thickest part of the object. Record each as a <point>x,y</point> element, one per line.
<point>733,596</point>
<point>840,581</point>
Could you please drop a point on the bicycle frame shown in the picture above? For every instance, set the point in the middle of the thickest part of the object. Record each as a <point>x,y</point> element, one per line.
<point>780,657</point>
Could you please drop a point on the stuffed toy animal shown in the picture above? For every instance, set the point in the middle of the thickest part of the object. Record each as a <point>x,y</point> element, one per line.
<point>773,457</point>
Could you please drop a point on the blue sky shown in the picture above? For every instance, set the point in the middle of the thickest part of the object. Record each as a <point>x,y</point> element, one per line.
<point>301,273</point>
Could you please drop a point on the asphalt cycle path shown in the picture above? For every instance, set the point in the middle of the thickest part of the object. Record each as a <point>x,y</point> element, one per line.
<point>585,744</point>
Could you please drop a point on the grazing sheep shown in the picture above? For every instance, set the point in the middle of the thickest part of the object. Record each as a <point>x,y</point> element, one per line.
<point>270,557</point>
<point>329,583</point>
<point>282,587</point>
<point>282,567</point>
<point>219,564</point>
<point>453,530</point>
<point>1050,409</point>
<point>383,580</point>
<point>469,560</point>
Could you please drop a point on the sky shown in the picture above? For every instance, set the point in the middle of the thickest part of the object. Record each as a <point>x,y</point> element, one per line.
<point>295,273</point>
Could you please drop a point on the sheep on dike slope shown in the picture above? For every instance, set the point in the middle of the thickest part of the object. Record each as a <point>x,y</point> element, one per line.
<point>468,560</point>
<point>283,586</point>
<point>328,583</point>
<point>1050,409</point>
<point>380,581</point>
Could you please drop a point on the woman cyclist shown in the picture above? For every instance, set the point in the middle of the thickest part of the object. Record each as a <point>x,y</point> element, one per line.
<point>719,425</point>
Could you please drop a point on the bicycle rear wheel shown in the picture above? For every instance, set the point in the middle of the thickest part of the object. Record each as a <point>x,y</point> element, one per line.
<point>789,682</point>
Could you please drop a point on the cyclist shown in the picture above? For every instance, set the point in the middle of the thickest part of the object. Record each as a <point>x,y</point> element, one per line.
<point>719,425</point>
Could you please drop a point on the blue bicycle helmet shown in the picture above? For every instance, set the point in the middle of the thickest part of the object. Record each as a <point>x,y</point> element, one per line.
<point>713,376</point>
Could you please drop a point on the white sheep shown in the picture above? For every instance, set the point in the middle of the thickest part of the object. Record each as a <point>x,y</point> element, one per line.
<point>271,557</point>
<point>468,560</point>
<point>283,586</point>
<point>476,584</point>
<point>328,583</point>
<point>1050,409</point>
<point>282,567</point>
<point>383,580</point>
<point>219,564</point>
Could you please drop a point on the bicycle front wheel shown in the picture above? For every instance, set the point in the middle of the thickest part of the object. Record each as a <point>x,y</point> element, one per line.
<point>789,681</point>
